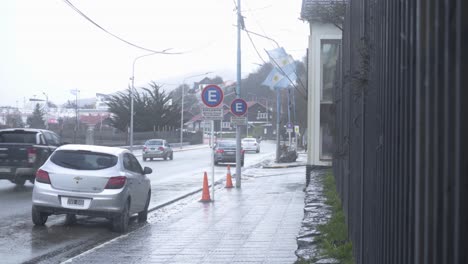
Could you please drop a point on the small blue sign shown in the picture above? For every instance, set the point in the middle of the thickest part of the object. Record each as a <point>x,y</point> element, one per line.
<point>289,125</point>
<point>238,107</point>
<point>212,95</point>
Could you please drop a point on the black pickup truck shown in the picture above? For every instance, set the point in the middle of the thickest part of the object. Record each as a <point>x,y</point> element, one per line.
<point>23,151</point>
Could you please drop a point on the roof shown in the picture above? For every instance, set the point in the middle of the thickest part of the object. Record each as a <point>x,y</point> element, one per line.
<point>23,129</point>
<point>310,7</point>
<point>101,149</point>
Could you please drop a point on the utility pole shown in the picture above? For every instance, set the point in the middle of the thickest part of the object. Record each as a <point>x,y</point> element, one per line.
<point>238,95</point>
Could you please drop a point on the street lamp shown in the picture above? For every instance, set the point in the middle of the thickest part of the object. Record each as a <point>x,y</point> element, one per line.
<point>133,90</point>
<point>182,108</point>
<point>47,110</point>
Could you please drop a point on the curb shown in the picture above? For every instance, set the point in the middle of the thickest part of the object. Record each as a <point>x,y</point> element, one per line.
<point>283,166</point>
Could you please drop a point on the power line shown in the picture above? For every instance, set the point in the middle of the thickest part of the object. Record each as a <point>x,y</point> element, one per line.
<point>115,36</point>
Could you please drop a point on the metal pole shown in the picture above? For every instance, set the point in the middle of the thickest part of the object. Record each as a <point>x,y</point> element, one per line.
<point>289,115</point>
<point>212,163</point>
<point>182,116</point>
<point>278,113</point>
<point>47,111</point>
<point>238,95</point>
<point>131,108</point>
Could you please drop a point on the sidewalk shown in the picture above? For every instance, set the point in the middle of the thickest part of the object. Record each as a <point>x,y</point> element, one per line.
<point>255,224</point>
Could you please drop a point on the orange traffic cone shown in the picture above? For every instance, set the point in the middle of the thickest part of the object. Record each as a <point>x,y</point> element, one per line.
<point>229,178</point>
<point>206,191</point>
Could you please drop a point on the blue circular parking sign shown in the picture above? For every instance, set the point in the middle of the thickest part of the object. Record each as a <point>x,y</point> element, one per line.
<point>212,95</point>
<point>238,107</point>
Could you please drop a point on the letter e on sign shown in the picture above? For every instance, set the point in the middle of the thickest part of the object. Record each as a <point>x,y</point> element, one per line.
<point>238,107</point>
<point>212,95</point>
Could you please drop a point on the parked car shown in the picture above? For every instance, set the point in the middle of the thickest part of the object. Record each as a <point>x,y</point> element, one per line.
<point>225,151</point>
<point>94,181</point>
<point>157,148</point>
<point>250,144</point>
<point>23,151</point>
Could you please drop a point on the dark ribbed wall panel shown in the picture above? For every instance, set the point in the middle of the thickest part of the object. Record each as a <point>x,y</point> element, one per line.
<point>401,130</point>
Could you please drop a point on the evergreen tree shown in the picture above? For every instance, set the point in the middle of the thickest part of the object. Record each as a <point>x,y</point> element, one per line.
<point>152,109</point>
<point>37,118</point>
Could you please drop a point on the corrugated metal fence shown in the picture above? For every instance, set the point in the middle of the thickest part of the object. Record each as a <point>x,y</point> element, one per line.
<point>402,130</point>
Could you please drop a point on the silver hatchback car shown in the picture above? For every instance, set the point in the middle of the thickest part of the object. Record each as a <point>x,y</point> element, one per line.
<point>94,181</point>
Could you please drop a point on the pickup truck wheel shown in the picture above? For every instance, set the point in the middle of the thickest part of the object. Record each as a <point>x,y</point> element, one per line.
<point>20,181</point>
<point>70,219</point>
<point>120,222</point>
<point>39,218</point>
<point>143,215</point>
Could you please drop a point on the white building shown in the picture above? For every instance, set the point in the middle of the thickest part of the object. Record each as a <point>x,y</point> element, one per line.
<point>323,52</point>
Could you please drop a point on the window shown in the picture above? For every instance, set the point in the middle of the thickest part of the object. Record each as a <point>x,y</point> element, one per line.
<point>328,61</point>
<point>83,160</point>
<point>18,137</point>
<point>131,163</point>
<point>52,139</point>
<point>154,142</point>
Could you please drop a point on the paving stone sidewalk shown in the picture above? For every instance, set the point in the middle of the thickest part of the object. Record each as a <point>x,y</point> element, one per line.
<point>255,224</point>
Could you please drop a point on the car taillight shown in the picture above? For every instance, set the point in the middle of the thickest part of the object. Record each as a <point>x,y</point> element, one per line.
<point>220,151</point>
<point>145,148</point>
<point>42,176</point>
<point>242,151</point>
<point>116,182</point>
<point>32,155</point>
<point>161,148</point>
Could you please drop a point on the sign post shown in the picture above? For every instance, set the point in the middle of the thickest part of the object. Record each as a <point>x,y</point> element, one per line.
<point>238,109</point>
<point>212,96</point>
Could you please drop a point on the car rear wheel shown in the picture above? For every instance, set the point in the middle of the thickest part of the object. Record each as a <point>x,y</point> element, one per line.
<point>70,219</point>
<point>143,215</point>
<point>20,181</point>
<point>144,159</point>
<point>165,157</point>
<point>172,156</point>
<point>120,222</point>
<point>39,218</point>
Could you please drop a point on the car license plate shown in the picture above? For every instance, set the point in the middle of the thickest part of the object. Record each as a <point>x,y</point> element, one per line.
<point>3,169</point>
<point>76,202</point>
<point>229,153</point>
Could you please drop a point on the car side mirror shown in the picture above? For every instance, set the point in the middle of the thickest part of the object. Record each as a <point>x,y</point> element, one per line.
<point>147,170</point>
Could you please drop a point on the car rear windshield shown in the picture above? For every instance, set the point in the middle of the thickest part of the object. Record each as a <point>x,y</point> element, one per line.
<point>83,160</point>
<point>154,142</point>
<point>249,140</point>
<point>227,144</point>
<point>18,137</point>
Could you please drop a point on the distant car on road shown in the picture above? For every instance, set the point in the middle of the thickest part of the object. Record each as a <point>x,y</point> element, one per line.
<point>94,181</point>
<point>157,148</point>
<point>225,151</point>
<point>250,144</point>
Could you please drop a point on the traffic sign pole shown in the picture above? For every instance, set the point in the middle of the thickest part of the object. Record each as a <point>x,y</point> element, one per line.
<point>212,97</point>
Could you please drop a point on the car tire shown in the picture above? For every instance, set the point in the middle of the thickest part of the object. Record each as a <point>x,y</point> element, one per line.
<point>20,181</point>
<point>143,215</point>
<point>39,218</point>
<point>70,219</point>
<point>120,222</point>
<point>165,157</point>
<point>172,156</point>
<point>258,151</point>
<point>144,159</point>
<point>242,163</point>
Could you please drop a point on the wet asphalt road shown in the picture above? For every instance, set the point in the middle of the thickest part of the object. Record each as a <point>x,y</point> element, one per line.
<point>21,242</point>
